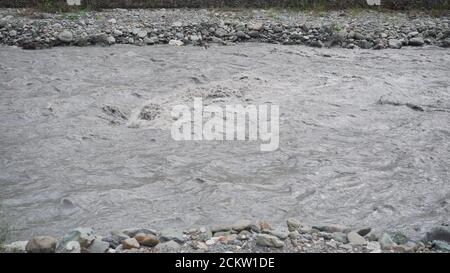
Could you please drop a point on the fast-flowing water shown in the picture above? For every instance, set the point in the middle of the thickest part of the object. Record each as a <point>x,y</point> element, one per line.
<point>355,147</point>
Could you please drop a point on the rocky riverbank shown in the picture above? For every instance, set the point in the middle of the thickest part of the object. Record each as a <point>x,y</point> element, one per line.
<point>349,29</point>
<point>243,236</point>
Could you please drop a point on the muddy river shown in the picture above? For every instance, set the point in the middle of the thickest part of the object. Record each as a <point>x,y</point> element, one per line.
<point>364,138</point>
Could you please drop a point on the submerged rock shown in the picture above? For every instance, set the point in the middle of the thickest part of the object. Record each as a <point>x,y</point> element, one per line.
<point>440,233</point>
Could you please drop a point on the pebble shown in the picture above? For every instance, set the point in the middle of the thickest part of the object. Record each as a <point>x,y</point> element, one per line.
<point>149,240</point>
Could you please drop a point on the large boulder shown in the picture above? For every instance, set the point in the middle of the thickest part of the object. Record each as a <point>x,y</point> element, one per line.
<point>42,244</point>
<point>440,233</point>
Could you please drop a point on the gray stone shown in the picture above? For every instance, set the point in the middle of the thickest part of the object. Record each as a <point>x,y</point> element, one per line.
<point>294,234</point>
<point>111,40</point>
<point>255,26</point>
<point>99,38</point>
<point>340,237</point>
<point>395,43</point>
<point>441,246</point>
<point>417,41</point>
<point>242,35</point>
<point>65,36</point>
<point>167,247</point>
<point>358,36</point>
<point>355,239</point>
<point>364,44</point>
<point>115,238</point>
<point>117,32</point>
<point>84,236</point>
<point>176,42</point>
<point>12,33</point>
<point>296,35</point>
<point>222,233</point>
<point>220,32</point>
<point>131,232</point>
<point>218,228</point>
<point>142,33</point>
<point>245,224</point>
<point>151,40</point>
<point>15,247</point>
<point>98,246</point>
<point>332,228</point>
<point>268,241</point>
<point>293,224</point>
<point>172,235</point>
<point>440,233</point>
<point>374,247</point>
<point>280,233</point>
<point>41,244</point>
<point>70,247</point>
<point>386,242</point>
<point>399,238</point>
